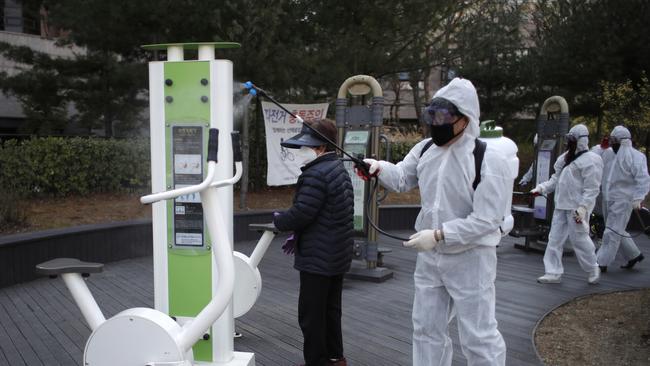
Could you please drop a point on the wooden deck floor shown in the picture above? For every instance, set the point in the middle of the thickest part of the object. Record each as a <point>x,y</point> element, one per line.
<point>40,324</point>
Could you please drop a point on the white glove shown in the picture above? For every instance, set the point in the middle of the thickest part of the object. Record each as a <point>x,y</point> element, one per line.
<point>537,191</point>
<point>523,182</point>
<point>580,214</point>
<point>636,204</point>
<point>424,240</point>
<point>374,166</point>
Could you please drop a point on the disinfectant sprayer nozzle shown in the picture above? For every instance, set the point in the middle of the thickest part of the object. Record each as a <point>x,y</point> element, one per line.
<point>252,89</point>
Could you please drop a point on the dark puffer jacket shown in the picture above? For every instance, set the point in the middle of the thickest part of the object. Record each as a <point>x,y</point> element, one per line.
<point>322,217</point>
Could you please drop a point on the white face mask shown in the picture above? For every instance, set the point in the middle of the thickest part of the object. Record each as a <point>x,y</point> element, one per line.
<point>307,154</point>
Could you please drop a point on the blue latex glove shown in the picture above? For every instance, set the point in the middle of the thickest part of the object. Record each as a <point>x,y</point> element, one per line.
<point>289,246</point>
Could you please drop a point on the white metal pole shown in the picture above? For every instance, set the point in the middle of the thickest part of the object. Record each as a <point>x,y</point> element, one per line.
<point>175,53</point>
<point>158,179</point>
<point>261,247</point>
<point>84,299</point>
<point>221,117</point>
<point>206,52</point>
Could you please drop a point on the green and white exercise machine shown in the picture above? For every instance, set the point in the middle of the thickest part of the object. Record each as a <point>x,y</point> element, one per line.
<point>193,148</point>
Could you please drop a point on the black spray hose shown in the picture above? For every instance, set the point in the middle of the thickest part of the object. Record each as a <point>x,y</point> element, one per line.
<point>643,225</point>
<point>374,182</point>
<point>359,163</point>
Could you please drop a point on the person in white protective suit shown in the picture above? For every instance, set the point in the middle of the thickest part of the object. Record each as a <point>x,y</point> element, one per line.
<point>576,183</point>
<point>528,176</point>
<point>625,185</point>
<point>457,230</point>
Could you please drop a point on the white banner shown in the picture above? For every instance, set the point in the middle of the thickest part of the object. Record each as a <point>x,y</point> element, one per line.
<point>284,164</point>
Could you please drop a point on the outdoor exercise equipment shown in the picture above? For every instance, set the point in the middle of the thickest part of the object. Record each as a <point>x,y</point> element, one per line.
<point>359,133</point>
<point>195,269</point>
<point>359,130</point>
<point>533,219</point>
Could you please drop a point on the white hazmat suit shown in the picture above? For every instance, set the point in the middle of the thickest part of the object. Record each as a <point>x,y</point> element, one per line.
<point>457,276</point>
<point>625,181</point>
<point>576,187</point>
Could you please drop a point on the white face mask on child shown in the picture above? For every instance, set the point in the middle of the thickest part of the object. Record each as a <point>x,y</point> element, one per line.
<point>307,154</point>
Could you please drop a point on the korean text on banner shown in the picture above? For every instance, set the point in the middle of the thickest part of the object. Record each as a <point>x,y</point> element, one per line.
<point>284,164</point>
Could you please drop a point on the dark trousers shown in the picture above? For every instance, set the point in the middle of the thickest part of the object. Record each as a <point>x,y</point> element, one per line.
<point>319,316</point>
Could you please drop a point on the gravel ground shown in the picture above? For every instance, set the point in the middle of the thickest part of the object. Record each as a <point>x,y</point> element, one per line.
<point>602,329</point>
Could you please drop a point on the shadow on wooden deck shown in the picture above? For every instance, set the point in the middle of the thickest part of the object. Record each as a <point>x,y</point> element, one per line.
<point>41,325</point>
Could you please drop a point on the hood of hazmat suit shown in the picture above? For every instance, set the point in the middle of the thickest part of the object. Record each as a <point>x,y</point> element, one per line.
<point>581,134</point>
<point>625,172</point>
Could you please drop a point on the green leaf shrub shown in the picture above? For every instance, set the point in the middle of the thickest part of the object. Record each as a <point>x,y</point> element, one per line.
<point>55,166</point>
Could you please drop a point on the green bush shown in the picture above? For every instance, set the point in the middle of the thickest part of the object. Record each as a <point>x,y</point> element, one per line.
<point>399,150</point>
<point>12,214</point>
<point>55,166</point>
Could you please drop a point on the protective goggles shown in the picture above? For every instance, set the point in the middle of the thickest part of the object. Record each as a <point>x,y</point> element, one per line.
<point>441,112</point>
<point>616,140</point>
<point>570,138</point>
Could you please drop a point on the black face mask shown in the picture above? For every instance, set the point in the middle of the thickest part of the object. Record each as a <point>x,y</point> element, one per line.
<point>570,151</point>
<point>444,133</point>
<point>615,147</point>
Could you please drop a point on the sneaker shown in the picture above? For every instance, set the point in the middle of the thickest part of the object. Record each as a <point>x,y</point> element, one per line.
<point>630,264</point>
<point>550,278</point>
<point>594,276</point>
<point>603,269</point>
<point>337,362</point>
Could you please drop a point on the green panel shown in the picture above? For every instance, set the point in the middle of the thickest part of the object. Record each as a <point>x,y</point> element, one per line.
<point>186,91</point>
<point>190,289</point>
<point>190,272</point>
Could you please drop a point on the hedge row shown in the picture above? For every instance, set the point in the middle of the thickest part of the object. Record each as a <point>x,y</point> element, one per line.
<point>55,166</point>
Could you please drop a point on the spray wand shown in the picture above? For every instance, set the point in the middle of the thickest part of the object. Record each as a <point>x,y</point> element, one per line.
<point>359,164</point>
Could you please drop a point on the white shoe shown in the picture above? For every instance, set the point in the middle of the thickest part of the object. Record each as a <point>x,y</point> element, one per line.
<point>594,276</point>
<point>550,278</point>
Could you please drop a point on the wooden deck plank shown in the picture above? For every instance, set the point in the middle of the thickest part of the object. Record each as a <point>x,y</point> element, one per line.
<point>18,331</point>
<point>39,338</point>
<point>40,323</point>
<point>54,337</point>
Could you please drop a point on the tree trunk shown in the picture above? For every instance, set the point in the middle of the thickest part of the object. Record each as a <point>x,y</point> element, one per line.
<point>647,146</point>
<point>415,86</point>
<point>398,100</point>
<point>108,123</point>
